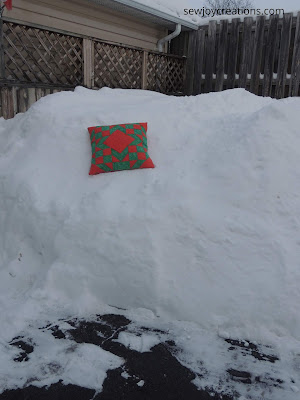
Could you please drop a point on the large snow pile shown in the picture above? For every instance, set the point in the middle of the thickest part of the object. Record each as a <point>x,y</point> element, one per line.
<point>211,235</point>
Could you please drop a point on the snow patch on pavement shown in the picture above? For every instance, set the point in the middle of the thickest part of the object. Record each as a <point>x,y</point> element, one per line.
<point>53,360</point>
<point>140,343</point>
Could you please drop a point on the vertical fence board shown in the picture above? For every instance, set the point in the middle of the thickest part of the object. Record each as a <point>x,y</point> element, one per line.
<point>283,55</point>
<point>23,99</point>
<point>210,55</point>
<point>88,62</point>
<point>3,103</point>
<point>39,92</point>
<point>189,79</point>
<point>220,67</point>
<point>31,96</point>
<point>14,100</point>
<point>257,54</point>
<point>233,52</point>
<point>270,55</point>
<point>7,103</point>
<point>295,73</point>
<point>2,62</point>
<point>199,59</point>
<point>246,55</point>
<point>144,69</point>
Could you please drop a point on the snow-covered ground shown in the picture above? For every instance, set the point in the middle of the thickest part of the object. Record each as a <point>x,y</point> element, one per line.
<point>206,244</point>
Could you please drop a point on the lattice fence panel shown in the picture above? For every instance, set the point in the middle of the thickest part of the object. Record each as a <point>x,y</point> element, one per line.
<point>41,56</point>
<point>117,66</point>
<point>165,74</point>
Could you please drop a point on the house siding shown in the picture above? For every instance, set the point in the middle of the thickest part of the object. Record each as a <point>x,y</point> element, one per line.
<point>85,18</point>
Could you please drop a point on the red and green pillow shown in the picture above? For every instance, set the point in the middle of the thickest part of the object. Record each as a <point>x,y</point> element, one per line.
<point>119,147</point>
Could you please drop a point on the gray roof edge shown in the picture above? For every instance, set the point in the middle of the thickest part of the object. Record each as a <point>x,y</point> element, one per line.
<point>160,14</point>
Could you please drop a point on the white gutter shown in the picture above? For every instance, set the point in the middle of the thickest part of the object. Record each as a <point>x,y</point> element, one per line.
<point>171,36</point>
<point>153,11</point>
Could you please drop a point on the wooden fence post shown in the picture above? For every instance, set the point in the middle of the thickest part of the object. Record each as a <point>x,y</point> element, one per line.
<point>23,99</point>
<point>7,103</point>
<point>210,55</point>
<point>2,62</point>
<point>246,55</point>
<point>233,47</point>
<point>189,72</point>
<point>257,54</point>
<point>283,55</point>
<point>220,67</point>
<point>295,75</point>
<point>270,55</point>
<point>88,63</point>
<point>144,70</point>
<point>199,58</point>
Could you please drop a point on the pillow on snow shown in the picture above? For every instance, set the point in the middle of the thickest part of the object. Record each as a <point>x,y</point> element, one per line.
<point>119,147</point>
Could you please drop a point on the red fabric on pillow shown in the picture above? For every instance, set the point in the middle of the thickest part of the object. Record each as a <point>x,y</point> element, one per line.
<point>119,147</point>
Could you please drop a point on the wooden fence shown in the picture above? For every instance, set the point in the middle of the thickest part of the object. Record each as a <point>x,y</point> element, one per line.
<point>260,55</point>
<point>35,61</point>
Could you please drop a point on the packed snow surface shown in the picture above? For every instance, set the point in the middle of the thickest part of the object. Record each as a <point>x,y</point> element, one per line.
<point>211,235</point>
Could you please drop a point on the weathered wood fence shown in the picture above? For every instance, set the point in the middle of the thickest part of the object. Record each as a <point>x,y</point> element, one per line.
<point>261,55</point>
<point>37,61</point>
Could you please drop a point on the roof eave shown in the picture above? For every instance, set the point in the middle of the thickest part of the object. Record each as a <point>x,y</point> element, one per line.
<point>163,17</point>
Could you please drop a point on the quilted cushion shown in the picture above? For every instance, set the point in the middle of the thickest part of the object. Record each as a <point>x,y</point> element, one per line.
<point>119,147</point>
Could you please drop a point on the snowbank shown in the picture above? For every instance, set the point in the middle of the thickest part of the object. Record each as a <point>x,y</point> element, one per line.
<point>210,235</point>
